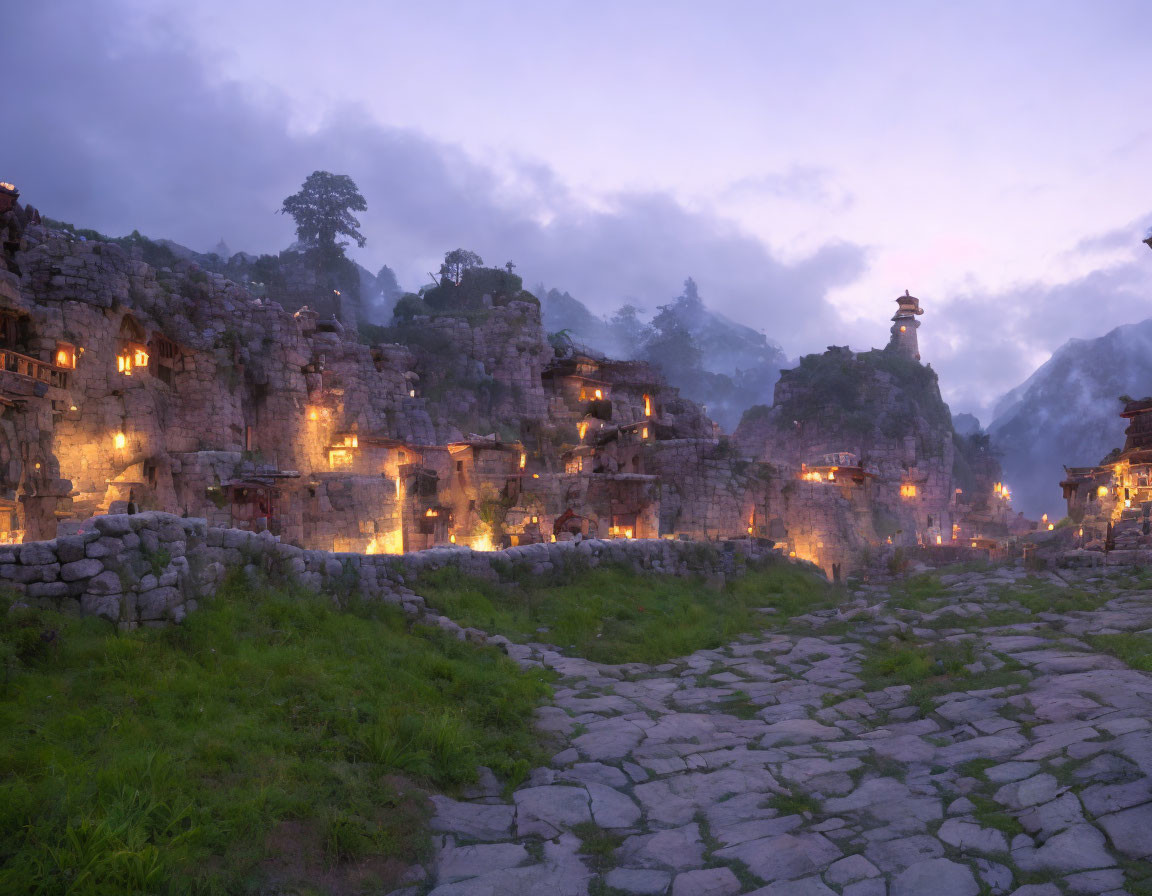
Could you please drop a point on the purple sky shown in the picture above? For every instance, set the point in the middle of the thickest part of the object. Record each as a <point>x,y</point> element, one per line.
<point>805,168</point>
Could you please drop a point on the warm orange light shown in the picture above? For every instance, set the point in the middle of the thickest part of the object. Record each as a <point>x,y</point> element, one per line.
<point>583,429</point>
<point>431,512</point>
<point>939,539</point>
<point>452,538</point>
<point>908,490</point>
<point>647,405</point>
<point>749,530</point>
<point>523,460</point>
<point>312,415</point>
<point>535,475</point>
<point>903,329</point>
<point>124,364</point>
<point>61,359</point>
<point>141,358</point>
<point>1051,526</point>
<point>119,440</point>
<point>599,394</point>
<point>411,393</point>
<point>553,536</point>
<point>644,433</point>
<point>535,519</point>
<point>339,457</point>
<point>831,475</point>
<point>791,553</point>
<point>1102,492</point>
<point>72,408</point>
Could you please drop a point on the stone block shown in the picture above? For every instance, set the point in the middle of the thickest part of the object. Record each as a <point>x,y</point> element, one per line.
<point>106,605</point>
<point>81,569</point>
<point>38,553</point>
<point>114,524</point>
<point>70,549</point>
<point>107,582</point>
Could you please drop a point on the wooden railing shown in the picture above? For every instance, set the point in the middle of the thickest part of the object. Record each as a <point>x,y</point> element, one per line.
<point>33,369</point>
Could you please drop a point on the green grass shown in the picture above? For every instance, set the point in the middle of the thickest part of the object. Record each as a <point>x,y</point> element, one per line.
<point>597,845</point>
<point>1040,596</point>
<point>933,670</point>
<point>1135,650</point>
<point>271,740</point>
<point>913,592</point>
<point>797,802</point>
<point>990,814</point>
<point>615,615</point>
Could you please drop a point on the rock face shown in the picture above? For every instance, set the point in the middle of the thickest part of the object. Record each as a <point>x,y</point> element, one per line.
<point>126,385</point>
<point>875,441</point>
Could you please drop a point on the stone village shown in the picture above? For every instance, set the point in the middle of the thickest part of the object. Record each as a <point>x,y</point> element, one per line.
<point>175,389</point>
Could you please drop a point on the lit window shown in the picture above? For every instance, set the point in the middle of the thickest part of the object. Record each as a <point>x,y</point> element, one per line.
<point>647,405</point>
<point>140,358</point>
<point>908,490</point>
<point>1102,492</point>
<point>903,329</point>
<point>599,394</point>
<point>119,440</point>
<point>65,355</point>
<point>644,433</point>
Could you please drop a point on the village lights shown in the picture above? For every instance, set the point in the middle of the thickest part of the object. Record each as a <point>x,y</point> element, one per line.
<point>119,440</point>
<point>644,433</point>
<point>647,405</point>
<point>599,394</point>
<point>1051,526</point>
<point>523,459</point>
<point>452,539</point>
<point>8,196</point>
<point>431,513</point>
<point>411,393</point>
<point>908,490</point>
<point>1102,492</point>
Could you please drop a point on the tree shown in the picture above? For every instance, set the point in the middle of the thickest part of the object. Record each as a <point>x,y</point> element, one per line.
<point>457,262</point>
<point>388,285</point>
<point>323,210</point>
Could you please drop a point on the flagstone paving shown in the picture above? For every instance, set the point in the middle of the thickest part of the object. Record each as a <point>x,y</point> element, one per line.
<point>769,767</point>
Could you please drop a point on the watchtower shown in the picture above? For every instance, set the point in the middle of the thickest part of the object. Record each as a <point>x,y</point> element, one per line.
<point>904,326</point>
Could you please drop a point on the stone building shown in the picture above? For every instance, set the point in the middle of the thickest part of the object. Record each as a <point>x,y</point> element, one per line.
<point>1114,500</point>
<point>127,386</point>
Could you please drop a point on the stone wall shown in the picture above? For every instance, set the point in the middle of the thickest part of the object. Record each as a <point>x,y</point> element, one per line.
<point>151,569</point>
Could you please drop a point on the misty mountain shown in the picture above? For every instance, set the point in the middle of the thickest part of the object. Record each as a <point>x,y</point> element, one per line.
<point>724,365</point>
<point>1067,413</point>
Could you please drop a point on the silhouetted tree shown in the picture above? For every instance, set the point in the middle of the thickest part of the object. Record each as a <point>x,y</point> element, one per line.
<point>457,262</point>
<point>323,210</point>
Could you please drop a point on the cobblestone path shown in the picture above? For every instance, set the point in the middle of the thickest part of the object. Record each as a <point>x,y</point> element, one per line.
<point>770,767</point>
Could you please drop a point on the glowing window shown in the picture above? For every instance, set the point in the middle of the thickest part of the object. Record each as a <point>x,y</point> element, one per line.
<point>65,355</point>
<point>647,405</point>
<point>119,440</point>
<point>908,490</point>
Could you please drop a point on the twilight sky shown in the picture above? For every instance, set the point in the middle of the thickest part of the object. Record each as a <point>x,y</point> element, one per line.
<point>805,167</point>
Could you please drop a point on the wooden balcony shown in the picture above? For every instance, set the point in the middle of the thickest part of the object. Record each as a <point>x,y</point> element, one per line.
<point>33,369</point>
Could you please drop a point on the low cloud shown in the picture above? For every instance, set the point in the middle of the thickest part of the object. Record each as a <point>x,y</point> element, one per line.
<point>119,133</point>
